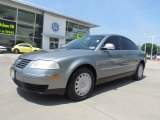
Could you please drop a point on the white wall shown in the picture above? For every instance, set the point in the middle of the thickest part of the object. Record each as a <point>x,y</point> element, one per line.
<point>45,43</point>
<point>48,32</point>
<point>49,19</point>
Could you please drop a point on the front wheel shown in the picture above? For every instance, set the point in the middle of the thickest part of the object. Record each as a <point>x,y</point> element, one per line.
<point>16,51</point>
<point>81,84</point>
<point>139,72</point>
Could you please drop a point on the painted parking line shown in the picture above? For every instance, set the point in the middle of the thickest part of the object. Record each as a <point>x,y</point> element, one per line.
<point>9,56</point>
<point>5,61</point>
<point>2,55</point>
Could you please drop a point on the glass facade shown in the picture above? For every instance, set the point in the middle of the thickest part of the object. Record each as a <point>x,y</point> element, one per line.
<point>25,30</point>
<point>7,40</point>
<point>74,31</point>
<point>26,17</point>
<point>20,26</point>
<point>8,13</point>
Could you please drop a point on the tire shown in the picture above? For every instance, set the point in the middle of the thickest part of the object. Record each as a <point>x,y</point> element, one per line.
<point>139,72</point>
<point>80,84</point>
<point>16,51</point>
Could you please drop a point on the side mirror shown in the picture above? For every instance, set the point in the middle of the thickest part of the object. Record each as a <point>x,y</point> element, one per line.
<point>109,46</point>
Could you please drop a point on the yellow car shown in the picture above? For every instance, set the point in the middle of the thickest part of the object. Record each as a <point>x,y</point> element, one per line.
<point>24,48</point>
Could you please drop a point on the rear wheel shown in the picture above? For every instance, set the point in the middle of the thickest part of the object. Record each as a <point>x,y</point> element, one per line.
<point>139,72</point>
<point>81,84</point>
<point>16,51</point>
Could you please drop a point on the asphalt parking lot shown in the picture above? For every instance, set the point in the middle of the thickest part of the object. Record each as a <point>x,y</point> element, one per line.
<point>122,99</point>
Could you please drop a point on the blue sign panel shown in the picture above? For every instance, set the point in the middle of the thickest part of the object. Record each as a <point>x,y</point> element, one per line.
<point>55,26</point>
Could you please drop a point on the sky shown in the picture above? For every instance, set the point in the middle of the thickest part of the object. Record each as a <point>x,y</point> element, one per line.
<point>130,18</point>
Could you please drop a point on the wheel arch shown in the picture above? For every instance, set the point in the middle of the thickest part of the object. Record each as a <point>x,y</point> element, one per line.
<point>16,49</point>
<point>85,65</point>
<point>143,63</point>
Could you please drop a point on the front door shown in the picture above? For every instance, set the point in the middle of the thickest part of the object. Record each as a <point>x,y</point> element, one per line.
<point>112,61</point>
<point>25,48</point>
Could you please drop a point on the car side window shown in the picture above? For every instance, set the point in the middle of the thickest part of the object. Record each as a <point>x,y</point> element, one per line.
<point>135,46</point>
<point>128,44</point>
<point>21,45</point>
<point>114,40</point>
<point>25,45</point>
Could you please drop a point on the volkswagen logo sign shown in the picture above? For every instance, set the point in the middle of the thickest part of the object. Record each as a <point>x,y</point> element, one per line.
<point>55,26</point>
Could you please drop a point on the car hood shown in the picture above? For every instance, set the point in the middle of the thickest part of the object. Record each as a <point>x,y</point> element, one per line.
<point>55,54</point>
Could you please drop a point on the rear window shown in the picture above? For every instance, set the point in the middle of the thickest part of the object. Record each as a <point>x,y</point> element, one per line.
<point>128,44</point>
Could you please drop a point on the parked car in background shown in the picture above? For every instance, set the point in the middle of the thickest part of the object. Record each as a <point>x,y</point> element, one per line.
<point>6,46</point>
<point>80,65</point>
<point>24,48</point>
<point>3,49</point>
<point>158,56</point>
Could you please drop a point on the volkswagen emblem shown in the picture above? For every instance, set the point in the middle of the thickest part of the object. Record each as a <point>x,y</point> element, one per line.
<point>55,26</point>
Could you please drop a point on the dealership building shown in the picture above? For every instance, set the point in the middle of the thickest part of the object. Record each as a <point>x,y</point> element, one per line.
<point>24,22</point>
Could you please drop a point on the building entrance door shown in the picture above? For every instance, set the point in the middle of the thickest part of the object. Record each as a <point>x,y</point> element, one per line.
<point>54,43</point>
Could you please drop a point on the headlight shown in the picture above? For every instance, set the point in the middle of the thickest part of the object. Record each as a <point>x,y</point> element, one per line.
<point>40,64</point>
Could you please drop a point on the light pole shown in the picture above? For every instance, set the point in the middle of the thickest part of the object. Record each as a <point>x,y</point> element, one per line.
<point>157,49</point>
<point>145,43</point>
<point>152,38</point>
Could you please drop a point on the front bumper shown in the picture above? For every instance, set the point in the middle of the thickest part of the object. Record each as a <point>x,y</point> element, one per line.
<point>31,87</point>
<point>42,89</point>
<point>42,84</point>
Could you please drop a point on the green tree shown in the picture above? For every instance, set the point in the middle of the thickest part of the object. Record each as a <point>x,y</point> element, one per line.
<point>149,47</point>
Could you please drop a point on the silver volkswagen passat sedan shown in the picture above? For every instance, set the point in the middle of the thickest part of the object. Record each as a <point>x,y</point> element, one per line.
<point>80,65</point>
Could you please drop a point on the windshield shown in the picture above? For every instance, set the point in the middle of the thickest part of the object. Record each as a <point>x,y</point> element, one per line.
<point>87,42</point>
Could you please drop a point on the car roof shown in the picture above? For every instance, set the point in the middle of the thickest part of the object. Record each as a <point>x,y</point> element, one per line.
<point>23,44</point>
<point>107,35</point>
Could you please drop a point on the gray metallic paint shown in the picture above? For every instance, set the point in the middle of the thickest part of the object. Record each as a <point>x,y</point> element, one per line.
<point>106,63</point>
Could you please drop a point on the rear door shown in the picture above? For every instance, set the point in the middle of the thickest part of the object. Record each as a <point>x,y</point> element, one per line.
<point>131,54</point>
<point>112,60</point>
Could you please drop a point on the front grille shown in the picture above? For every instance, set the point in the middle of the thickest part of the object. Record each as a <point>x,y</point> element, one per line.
<point>31,87</point>
<point>23,63</point>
